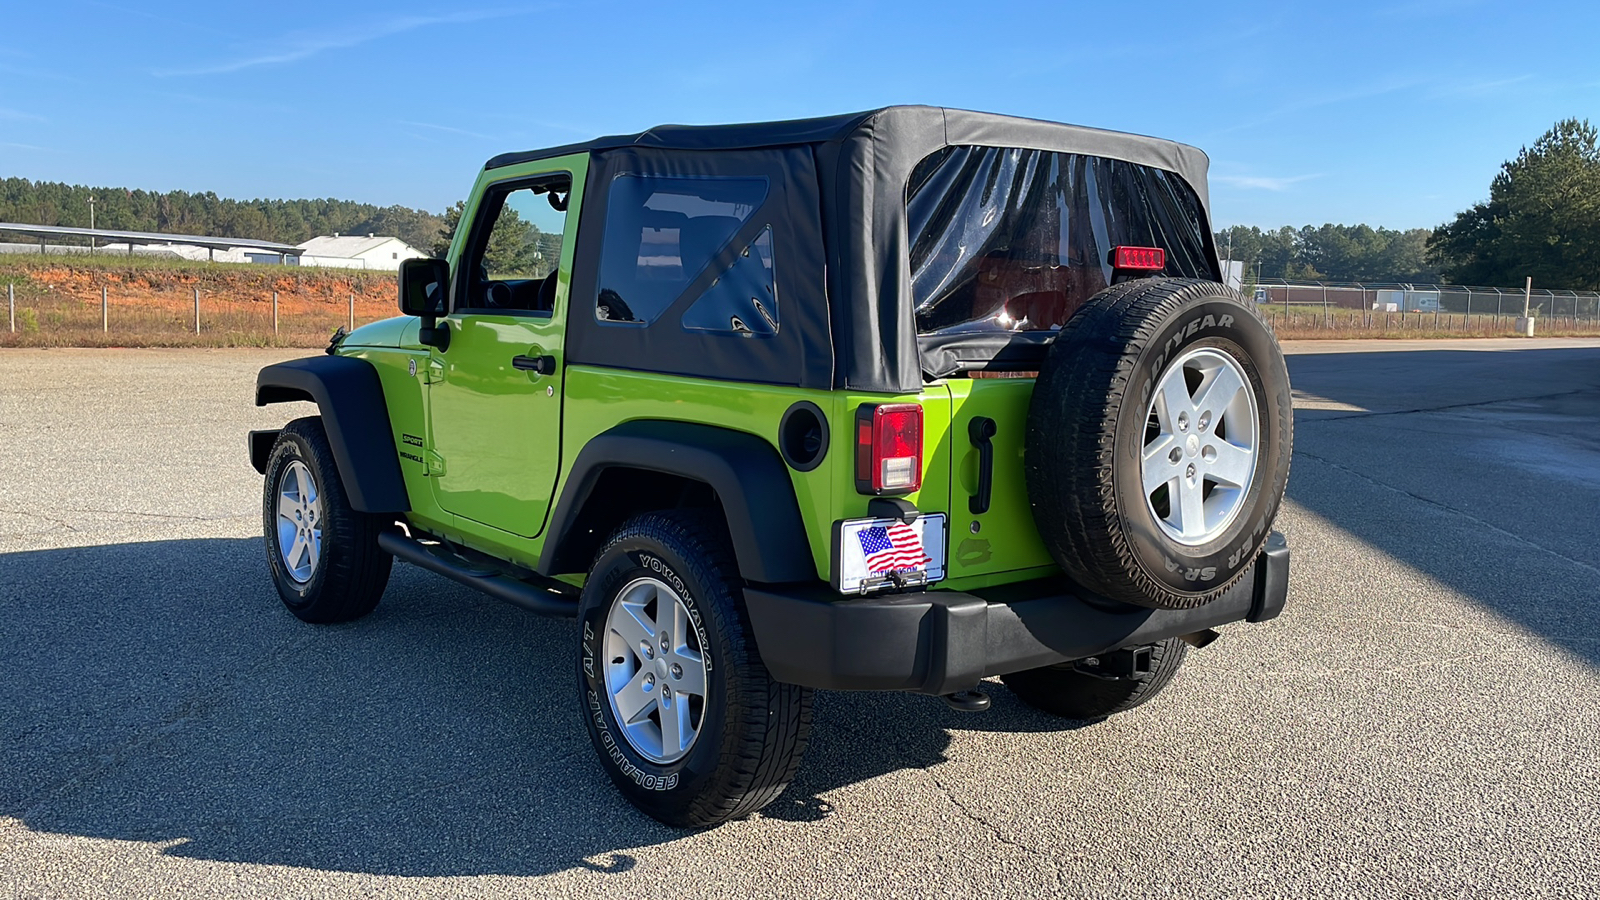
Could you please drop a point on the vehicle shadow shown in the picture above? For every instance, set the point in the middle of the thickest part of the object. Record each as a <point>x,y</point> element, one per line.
<point>159,692</point>
<point>1478,469</point>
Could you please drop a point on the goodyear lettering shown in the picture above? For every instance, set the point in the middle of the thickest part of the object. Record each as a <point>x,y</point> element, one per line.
<point>1184,332</point>
<point>1205,574</point>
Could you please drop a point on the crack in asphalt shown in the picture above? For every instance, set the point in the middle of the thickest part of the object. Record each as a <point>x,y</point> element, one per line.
<point>994,829</point>
<point>1490,526</point>
<point>30,515</point>
<point>184,711</point>
<point>1429,409</point>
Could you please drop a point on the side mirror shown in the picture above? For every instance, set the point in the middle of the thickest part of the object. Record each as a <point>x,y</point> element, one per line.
<point>424,284</point>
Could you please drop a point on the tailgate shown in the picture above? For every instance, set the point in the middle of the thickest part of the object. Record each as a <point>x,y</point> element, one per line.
<point>1005,538</point>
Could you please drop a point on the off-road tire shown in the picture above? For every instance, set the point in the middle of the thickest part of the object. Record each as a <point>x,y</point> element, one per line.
<point>1086,428</point>
<point>352,571</point>
<point>754,730</point>
<point>1066,691</point>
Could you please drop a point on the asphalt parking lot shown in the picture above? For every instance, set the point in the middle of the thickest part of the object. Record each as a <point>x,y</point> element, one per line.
<point>1423,720</point>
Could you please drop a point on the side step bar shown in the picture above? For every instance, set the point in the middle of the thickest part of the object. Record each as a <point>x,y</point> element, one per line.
<point>553,598</point>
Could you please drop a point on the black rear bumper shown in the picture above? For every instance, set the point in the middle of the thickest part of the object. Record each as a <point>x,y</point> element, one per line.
<point>939,642</point>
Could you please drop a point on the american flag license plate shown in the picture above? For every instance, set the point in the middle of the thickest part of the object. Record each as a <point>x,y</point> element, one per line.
<point>874,554</point>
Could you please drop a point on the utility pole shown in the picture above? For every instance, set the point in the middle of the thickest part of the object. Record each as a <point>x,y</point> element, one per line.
<point>1227,268</point>
<point>91,223</point>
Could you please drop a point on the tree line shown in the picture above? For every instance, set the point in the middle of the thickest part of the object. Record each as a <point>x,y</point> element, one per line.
<point>1542,220</point>
<point>1330,253</point>
<point>516,246</point>
<point>179,212</point>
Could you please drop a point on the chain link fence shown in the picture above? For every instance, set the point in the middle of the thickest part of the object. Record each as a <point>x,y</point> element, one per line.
<point>1309,305</point>
<point>113,314</point>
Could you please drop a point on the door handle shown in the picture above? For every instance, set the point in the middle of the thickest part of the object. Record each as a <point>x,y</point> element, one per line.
<point>538,365</point>
<point>980,430</point>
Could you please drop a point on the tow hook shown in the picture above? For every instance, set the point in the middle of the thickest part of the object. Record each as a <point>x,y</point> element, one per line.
<point>966,701</point>
<point>1127,664</point>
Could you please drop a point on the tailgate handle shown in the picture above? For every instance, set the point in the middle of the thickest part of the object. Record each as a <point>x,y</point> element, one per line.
<point>538,365</point>
<point>980,431</point>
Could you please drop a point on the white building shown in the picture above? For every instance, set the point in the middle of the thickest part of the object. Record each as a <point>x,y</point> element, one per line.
<point>187,251</point>
<point>358,252</point>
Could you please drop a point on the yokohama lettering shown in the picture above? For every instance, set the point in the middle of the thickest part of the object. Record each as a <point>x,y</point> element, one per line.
<point>647,561</point>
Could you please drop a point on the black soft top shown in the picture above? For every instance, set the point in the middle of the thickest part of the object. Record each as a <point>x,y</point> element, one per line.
<point>863,162</point>
<point>913,131</point>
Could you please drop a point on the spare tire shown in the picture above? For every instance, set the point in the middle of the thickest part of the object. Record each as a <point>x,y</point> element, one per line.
<point>1158,445</point>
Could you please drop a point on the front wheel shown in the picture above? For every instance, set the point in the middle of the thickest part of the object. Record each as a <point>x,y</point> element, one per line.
<point>683,714</point>
<point>323,553</point>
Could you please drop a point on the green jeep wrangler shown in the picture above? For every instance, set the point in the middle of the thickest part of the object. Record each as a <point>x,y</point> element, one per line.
<point>899,400</point>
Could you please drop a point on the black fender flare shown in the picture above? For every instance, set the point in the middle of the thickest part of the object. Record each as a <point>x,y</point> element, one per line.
<point>350,397</point>
<point>749,478</point>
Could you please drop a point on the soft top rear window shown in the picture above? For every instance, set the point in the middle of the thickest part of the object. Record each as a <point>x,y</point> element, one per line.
<point>1006,240</point>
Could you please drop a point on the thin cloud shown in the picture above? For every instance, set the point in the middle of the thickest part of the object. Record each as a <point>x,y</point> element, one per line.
<point>302,45</point>
<point>17,146</point>
<point>1310,103</point>
<point>1263,182</point>
<point>1479,88</point>
<point>448,129</point>
<point>19,115</point>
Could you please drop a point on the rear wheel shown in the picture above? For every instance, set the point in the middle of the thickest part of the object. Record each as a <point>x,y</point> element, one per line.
<point>323,554</point>
<point>683,714</point>
<point>1067,690</point>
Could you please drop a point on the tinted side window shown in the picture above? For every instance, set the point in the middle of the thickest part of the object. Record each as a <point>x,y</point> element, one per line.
<point>660,233</point>
<point>744,299</point>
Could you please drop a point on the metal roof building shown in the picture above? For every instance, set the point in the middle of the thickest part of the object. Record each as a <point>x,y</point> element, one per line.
<point>153,239</point>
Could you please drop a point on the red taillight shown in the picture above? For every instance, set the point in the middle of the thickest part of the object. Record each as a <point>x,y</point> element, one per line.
<point>889,448</point>
<point>1138,259</point>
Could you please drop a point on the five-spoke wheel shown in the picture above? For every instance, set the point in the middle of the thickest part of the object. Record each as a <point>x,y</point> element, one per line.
<point>684,717</point>
<point>299,521</point>
<point>655,671</point>
<point>1200,445</point>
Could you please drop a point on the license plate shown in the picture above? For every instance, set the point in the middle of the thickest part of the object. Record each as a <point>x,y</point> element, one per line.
<point>874,554</point>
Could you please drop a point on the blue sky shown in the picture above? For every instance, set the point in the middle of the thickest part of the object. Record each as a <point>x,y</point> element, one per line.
<point>1392,113</point>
